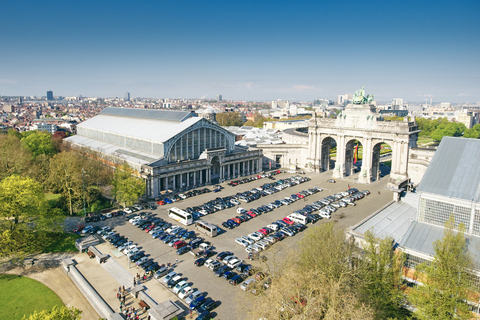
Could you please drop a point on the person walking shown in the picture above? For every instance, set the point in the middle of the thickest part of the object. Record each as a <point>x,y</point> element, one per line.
<point>134,282</point>
<point>176,260</point>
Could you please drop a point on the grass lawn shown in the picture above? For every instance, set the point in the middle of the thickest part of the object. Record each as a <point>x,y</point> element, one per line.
<point>61,242</point>
<point>21,296</point>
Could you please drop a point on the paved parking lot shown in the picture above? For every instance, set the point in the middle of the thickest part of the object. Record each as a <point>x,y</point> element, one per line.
<point>219,289</point>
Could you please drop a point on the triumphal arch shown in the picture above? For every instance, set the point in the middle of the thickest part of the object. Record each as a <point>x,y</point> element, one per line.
<point>359,124</point>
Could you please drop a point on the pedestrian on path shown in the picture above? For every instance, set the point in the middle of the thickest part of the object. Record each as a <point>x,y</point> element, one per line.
<point>176,260</point>
<point>379,192</point>
<point>134,282</point>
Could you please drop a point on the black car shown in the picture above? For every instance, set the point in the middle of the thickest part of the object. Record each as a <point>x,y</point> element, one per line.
<point>94,230</point>
<point>224,254</point>
<point>147,262</point>
<point>199,262</point>
<point>153,267</point>
<point>222,270</point>
<point>207,306</point>
<point>241,267</point>
<point>228,275</point>
<point>208,253</point>
<point>228,225</point>
<point>137,256</point>
<point>182,250</point>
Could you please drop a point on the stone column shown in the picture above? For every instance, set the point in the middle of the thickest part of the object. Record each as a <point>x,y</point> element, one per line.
<point>339,171</point>
<point>366,170</point>
<point>154,184</point>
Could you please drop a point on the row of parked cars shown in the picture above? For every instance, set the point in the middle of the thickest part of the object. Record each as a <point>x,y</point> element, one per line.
<point>247,196</point>
<point>269,175</point>
<point>265,237</point>
<point>194,298</point>
<point>182,196</point>
<point>233,270</point>
<point>245,215</point>
<point>128,248</point>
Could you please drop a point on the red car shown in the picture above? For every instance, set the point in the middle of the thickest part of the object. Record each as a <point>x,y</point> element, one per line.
<point>263,231</point>
<point>149,228</point>
<point>79,228</point>
<point>179,244</point>
<point>161,202</point>
<point>301,196</point>
<point>251,214</point>
<point>237,220</point>
<point>288,221</point>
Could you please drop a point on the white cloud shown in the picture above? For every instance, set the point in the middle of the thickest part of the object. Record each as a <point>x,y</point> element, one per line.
<point>302,87</point>
<point>463,95</point>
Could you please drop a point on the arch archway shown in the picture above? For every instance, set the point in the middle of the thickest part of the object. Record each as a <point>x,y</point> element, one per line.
<point>215,170</point>
<point>326,163</point>
<point>353,156</point>
<point>380,151</point>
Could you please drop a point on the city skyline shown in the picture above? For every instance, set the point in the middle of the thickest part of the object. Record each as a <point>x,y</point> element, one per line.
<point>243,51</point>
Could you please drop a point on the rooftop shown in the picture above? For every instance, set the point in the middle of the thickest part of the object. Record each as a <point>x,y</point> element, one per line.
<point>454,170</point>
<point>152,114</point>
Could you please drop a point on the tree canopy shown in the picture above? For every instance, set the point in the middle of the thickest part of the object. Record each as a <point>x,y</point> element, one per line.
<point>39,143</point>
<point>441,127</point>
<point>325,279</point>
<point>62,313</point>
<point>126,187</point>
<point>229,119</point>
<point>445,280</point>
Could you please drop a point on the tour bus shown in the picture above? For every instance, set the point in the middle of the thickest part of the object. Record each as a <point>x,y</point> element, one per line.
<point>181,216</point>
<point>206,228</point>
<point>298,218</point>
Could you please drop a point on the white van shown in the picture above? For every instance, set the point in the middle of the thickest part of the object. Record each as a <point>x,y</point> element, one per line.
<point>298,218</point>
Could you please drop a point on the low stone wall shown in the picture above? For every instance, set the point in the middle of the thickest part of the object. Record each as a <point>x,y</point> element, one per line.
<point>90,293</point>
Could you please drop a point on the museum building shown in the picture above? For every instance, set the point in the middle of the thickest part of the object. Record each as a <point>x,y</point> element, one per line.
<point>170,150</point>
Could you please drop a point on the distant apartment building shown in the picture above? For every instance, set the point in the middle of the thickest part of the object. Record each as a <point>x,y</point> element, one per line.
<point>127,96</point>
<point>42,126</point>
<point>9,108</point>
<point>50,95</point>
<point>466,117</point>
<point>219,97</point>
<point>397,104</point>
<point>343,99</point>
<point>167,105</point>
<point>279,104</point>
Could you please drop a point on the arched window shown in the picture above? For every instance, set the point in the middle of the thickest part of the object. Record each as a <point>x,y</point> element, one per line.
<point>192,143</point>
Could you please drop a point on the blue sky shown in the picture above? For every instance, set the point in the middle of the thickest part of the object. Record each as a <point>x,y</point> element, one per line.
<point>244,50</point>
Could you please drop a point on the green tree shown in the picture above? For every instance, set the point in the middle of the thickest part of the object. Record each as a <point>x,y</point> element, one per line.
<point>446,285</point>
<point>74,176</point>
<point>39,143</point>
<point>316,282</point>
<point>381,277</point>
<point>229,119</point>
<point>126,187</point>
<point>62,313</point>
<point>14,159</point>
<point>14,133</point>
<point>20,198</point>
<point>471,133</point>
<point>26,217</point>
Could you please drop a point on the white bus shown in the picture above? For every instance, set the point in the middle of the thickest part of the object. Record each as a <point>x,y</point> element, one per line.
<point>181,216</point>
<point>298,218</point>
<point>206,228</point>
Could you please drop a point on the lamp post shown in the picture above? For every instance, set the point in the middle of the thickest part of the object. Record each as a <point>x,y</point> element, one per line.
<point>83,182</point>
